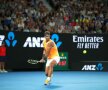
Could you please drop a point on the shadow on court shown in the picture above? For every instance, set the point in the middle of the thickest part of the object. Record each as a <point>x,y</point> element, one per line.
<point>52,86</point>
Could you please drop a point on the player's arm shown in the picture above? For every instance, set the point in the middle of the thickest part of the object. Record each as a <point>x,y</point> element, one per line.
<point>43,57</point>
<point>50,45</point>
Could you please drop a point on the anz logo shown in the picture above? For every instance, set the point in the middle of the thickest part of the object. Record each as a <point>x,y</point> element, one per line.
<point>98,67</point>
<point>34,42</point>
<point>10,41</point>
<point>37,41</point>
<point>55,38</point>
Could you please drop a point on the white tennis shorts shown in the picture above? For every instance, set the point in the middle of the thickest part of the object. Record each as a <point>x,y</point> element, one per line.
<point>57,59</point>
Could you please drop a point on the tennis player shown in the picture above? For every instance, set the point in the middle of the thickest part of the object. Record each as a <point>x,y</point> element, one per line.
<point>50,53</point>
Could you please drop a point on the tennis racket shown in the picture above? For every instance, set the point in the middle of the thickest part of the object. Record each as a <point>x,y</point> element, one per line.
<point>32,61</point>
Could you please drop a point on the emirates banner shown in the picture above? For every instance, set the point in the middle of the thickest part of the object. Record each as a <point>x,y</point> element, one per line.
<point>89,52</point>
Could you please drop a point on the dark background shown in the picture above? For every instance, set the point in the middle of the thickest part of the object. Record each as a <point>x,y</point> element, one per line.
<point>18,55</point>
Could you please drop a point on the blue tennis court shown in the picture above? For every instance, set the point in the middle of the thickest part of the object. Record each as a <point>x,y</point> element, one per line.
<point>61,81</point>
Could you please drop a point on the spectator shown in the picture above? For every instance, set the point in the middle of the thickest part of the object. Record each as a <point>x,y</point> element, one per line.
<point>2,58</point>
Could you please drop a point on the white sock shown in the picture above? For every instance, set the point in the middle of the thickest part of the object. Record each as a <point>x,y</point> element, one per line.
<point>48,78</point>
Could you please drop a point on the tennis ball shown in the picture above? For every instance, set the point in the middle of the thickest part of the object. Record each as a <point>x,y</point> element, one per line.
<point>84,51</point>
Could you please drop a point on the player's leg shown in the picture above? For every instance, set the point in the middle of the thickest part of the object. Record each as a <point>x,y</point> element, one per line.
<point>46,70</point>
<point>52,64</point>
<point>50,71</point>
<point>47,67</point>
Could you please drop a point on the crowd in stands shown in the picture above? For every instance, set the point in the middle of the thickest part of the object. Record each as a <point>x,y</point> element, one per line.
<point>67,16</point>
<point>22,15</point>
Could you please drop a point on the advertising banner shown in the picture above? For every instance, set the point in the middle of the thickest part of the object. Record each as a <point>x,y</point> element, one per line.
<point>89,51</point>
<point>82,52</point>
<point>63,64</point>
